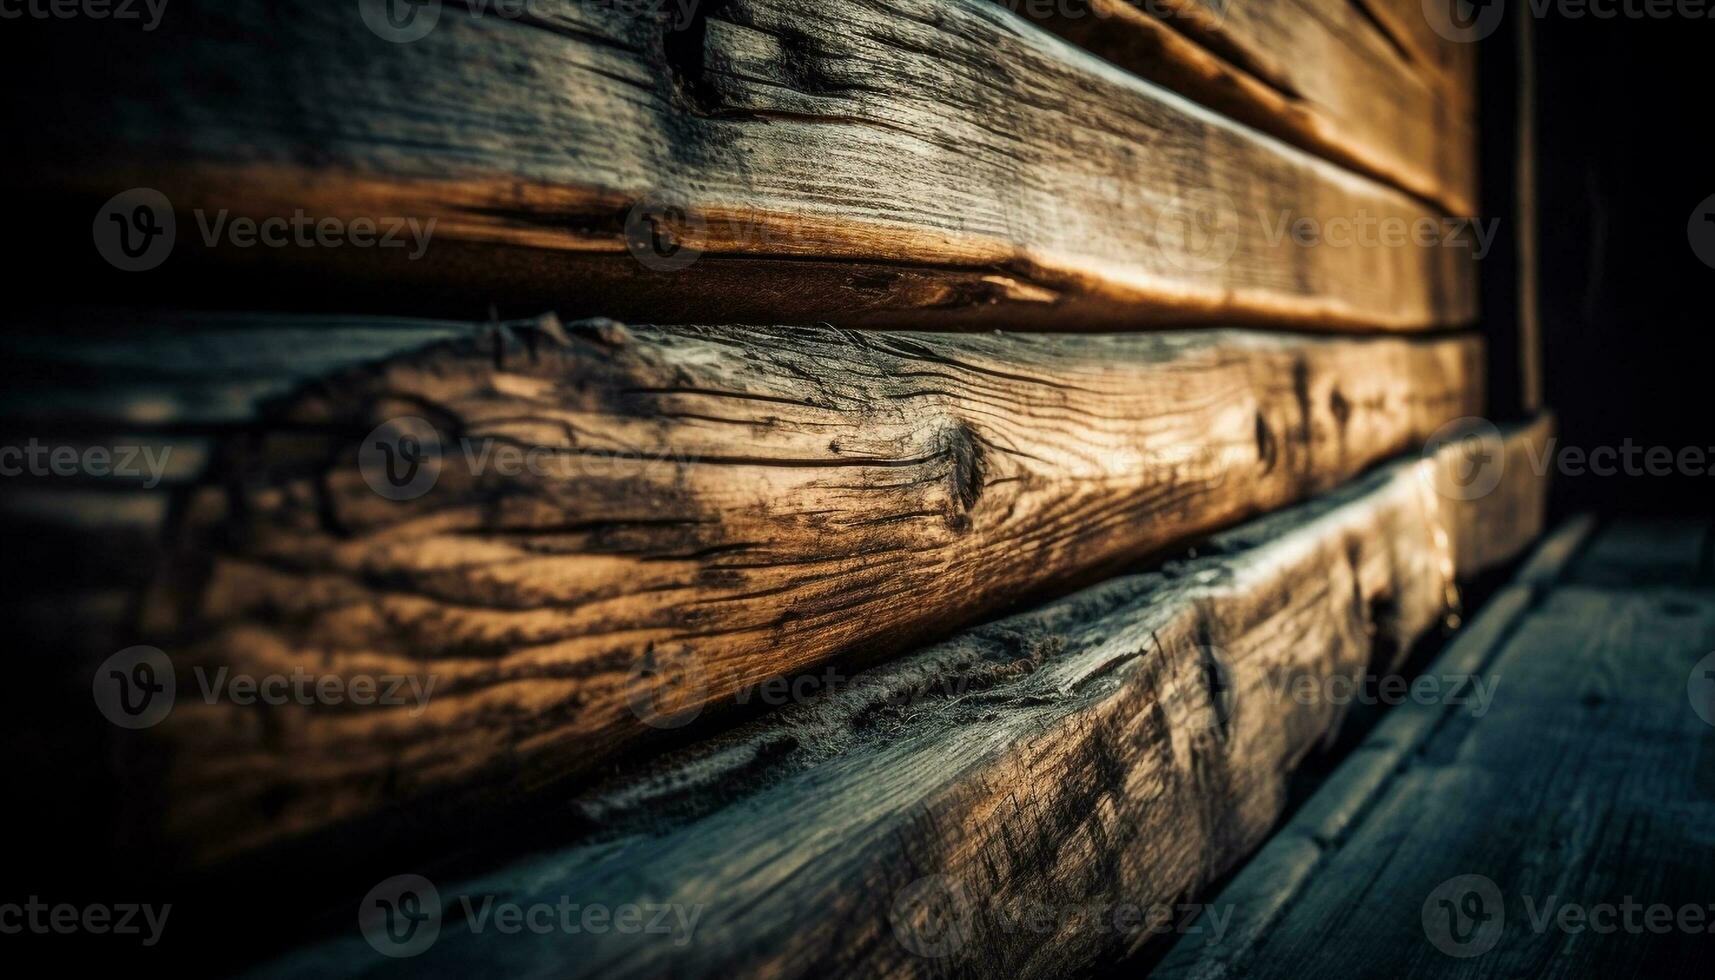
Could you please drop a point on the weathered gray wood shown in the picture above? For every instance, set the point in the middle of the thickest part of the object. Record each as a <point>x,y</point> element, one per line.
<point>1587,782</point>
<point>994,173</point>
<point>1324,75</point>
<point>712,507</point>
<point>1258,898</point>
<point>1125,745</point>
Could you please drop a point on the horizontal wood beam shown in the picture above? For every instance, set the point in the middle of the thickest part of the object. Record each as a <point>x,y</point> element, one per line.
<point>905,162</point>
<point>1594,756</point>
<point>1328,76</point>
<point>1263,892</point>
<point>621,528</point>
<point>991,806</point>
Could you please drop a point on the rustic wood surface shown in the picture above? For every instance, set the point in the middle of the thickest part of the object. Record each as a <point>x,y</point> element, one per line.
<point>1588,783</point>
<point>957,163</point>
<point>1324,75</point>
<point>1124,746</point>
<point>709,508</point>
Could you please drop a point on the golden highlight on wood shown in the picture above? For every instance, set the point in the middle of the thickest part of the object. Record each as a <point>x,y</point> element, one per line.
<point>625,526</point>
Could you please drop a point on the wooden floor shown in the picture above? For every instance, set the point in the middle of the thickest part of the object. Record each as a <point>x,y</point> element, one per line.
<point>1567,830</point>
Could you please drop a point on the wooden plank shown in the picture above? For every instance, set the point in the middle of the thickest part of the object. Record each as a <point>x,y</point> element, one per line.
<point>1511,297</point>
<point>1118,748</point>
<point>1528,263</point>
<point>1325,75</point>
<point>1257,898</point>
<point>913,162</point>
<point>1578,787</point>
<point>619,515</point>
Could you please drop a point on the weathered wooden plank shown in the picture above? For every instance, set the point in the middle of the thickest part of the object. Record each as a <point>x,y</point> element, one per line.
<point>1118,748</point>
<point>899,161</point>
<point>618,515</point>
<point>1324,75</point>
<point>1579,787</point>
<point>1259,896</point>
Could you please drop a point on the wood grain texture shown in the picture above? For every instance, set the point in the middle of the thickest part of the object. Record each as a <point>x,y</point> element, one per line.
<point>1324,75</point>
<point>957,163</point>
<point>1261,893</point>
<point>1587,783</point>
<point>1122,747</point>
<point>708,508</point>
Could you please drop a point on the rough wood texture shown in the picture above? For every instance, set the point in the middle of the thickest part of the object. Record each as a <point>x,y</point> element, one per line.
<point>1587,783</point>
<point>711,507</point>
<point>1325,75</point>
<point>1123,746</point>
<point>956,162</point>
<point>1260,894</point>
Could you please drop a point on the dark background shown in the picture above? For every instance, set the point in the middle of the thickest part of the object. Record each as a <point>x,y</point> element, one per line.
<point>1624,157</point>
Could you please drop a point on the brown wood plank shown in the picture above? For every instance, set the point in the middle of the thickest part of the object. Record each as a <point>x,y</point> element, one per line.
<point>1121,747</point>
<point>710,507</point>
<point>913,162</point>
<point>1324,75</point>
<point>1586,783</point>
